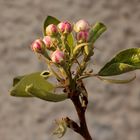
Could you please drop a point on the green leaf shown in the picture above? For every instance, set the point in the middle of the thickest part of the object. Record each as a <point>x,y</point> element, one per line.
<point>17,79</point>
<point>77,49</point>
<point>70,40</point>
<point>36,85</point>
<point>96,31</point>
<point>49,20</point>
<point>118,81</point>
<point>53,20</point>
<point>45,94</point>
<point>125,61</point>
<point>35,78</point>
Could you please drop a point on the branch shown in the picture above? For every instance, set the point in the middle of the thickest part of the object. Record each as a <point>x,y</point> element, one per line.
<point>73,125</point>
<point>81,115</point>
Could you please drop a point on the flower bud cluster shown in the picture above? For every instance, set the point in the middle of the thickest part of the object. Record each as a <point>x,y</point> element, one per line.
<point>53,43</point>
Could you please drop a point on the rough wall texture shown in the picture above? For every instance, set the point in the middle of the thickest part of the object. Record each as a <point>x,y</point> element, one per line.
<point>114,110</point>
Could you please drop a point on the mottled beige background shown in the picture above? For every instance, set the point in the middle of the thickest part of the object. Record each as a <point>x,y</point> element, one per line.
<point>114,110</point>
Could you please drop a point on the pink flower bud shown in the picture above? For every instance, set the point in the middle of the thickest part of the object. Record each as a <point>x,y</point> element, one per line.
<point>38,46</point>
<point>82,36</point>
<point>81,25</point>
<point>48,41</point>
<point>51,30</point>
<point>65,27</point>
<point>57,56</point>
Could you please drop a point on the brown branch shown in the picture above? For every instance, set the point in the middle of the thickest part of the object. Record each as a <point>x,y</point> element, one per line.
<point>80,106</point>
<point>73,125</point>
<point>81,115</point>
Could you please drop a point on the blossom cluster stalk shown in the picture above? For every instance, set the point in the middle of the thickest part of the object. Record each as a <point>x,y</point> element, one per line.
<point>62,55</point>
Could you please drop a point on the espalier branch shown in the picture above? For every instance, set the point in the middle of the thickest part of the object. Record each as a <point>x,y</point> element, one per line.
<point>67,50</point>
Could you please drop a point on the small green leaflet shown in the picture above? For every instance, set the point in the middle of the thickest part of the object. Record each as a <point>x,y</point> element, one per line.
<point>117,81</point>
<point>96,31</point>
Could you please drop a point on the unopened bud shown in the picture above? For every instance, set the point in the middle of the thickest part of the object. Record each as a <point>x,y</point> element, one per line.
<point>48,41</point>
<point>38,46</point>
<point>65,27</point>
<point>82,36</point>
<point>81,25</point>
<point>57,56</point>
<point>51,30</point>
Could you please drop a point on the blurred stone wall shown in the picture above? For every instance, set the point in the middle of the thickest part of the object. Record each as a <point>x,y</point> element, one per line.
<point>114,110</point>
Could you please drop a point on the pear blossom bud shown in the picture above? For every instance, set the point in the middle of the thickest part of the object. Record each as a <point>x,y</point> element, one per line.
<point>81,25</point>
<point>48,41</point>
<point>38,46</point>
<point>57,56</point>
<point>82,36</point>
<point>65,27</point>
<point>51,30</point>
